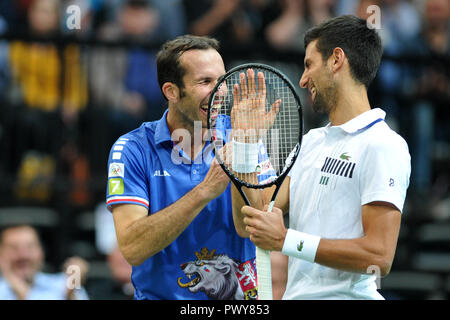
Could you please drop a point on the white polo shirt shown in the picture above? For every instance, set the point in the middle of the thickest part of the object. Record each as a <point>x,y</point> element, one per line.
<point>340,169</point>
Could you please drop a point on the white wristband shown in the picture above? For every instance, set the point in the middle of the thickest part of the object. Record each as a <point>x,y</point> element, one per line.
<point>300,245</point>
<point>245,157</point>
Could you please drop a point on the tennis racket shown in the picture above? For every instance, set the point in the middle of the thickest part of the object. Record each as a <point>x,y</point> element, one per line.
<point>255,124</point>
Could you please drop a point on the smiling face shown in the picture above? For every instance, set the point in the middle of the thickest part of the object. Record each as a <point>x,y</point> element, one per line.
<point>317,78</point>
<point>203,69</point>
<point>22,251</point>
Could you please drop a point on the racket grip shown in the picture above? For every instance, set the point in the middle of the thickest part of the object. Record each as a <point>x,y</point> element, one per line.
<point>271,204</point>
<point>264,269</point>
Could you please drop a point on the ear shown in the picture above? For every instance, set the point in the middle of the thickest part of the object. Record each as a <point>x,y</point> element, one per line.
<point>171,92</point>
<point>337,59</point>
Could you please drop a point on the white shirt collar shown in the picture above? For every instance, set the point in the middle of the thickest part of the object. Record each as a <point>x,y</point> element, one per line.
<point>362,121</point>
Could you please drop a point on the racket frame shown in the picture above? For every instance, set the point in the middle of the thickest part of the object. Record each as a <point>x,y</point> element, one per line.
<point>262,256</point>
<point>279,180</point>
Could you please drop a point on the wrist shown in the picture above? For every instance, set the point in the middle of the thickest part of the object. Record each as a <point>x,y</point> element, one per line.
<point>282,240</point>
<point>201,193</point>
<point>300,245</point>
<point>245,157</point>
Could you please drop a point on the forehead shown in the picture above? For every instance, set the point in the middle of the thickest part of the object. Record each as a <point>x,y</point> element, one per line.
<point>19,235</point>
<point>311,51</point>
<point>199,63</point>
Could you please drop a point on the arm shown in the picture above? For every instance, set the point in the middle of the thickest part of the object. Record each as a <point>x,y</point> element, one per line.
<point>255,199</point>
<point>381,223</point>
<point>258,199</point>
<point>282,31</point>
<point>212,19</point>
<point>141,236</point>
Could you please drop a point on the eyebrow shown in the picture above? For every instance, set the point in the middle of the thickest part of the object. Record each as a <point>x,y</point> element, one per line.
<point>203,78</point>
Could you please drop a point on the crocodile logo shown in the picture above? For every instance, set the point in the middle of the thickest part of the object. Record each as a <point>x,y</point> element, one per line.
<point>344,156</point>
<point>300,245</point>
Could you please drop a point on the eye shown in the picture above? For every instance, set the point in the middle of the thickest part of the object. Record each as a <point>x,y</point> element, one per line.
<point>205,81</point>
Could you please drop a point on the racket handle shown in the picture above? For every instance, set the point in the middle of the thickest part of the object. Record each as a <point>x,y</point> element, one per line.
<point>264,270</point>
<point>271,204</point>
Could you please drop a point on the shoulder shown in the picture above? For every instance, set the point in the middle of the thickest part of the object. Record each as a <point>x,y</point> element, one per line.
<point>141,135</point>
<point>381,136</point>
<point>313,136</point>
<point>138,140</point>
<point>382,144</point>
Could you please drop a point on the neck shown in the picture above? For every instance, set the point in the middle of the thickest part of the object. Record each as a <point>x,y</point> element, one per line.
<point>350,104</point>
<point>176,121</point>
<point>187,136</point>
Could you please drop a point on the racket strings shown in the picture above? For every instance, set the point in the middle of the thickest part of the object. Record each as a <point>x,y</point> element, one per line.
<point>275,137</point>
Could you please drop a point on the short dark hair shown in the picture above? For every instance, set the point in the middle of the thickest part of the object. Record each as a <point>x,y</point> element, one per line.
<point>168,58</point>
<point>361,44</point>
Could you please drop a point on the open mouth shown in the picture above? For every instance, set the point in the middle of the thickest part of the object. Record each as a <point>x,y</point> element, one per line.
<point>191,283</point>
<point>214,110</point>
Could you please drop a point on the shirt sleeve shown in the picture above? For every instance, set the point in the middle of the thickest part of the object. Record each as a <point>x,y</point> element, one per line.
<point>127,181</point>
<point>385,172</point>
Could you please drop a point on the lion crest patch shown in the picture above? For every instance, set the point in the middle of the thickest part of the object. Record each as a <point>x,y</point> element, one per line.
<point>220,277</point>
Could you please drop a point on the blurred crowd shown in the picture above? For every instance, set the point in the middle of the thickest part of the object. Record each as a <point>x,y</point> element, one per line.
<point>63,103</point>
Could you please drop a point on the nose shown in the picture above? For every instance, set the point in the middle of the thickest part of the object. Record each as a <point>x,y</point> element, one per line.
<point>223,89</point>
<point>183,266</point>
<point>303,83</point>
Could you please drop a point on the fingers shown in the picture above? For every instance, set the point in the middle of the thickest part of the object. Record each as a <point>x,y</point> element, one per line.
<point>250,212</point>
<point>243,85</point>
<point>261,85</point>
<point>252,215</point>
<point>276,106</point>
<point>251,82</point>
<point>248,84</point>
<point>266,230</point>
<point>236,95</point>
<point>224,155</point>
<point>272,114</point>
<point>277,211</point>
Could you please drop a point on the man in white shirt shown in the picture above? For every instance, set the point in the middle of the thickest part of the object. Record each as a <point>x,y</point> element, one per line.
<point>346,190</point>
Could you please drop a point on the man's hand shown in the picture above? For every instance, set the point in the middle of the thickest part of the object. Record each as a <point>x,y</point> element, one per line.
<point>215,182</point>
<point>249,108</point>
<point>267,230</point>
<point>19,286</point>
